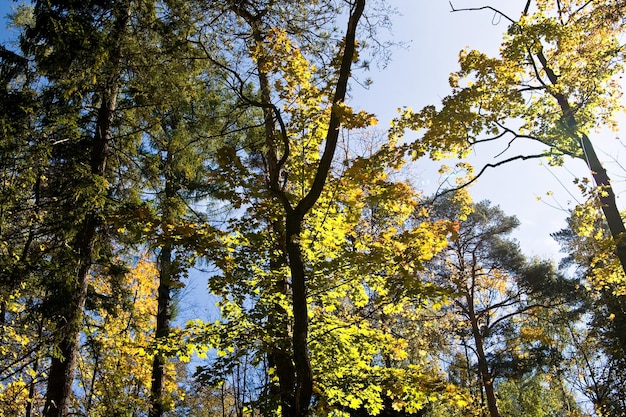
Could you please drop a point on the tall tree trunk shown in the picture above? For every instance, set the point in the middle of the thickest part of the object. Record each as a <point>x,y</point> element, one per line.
<point>607,199</point>
<point>295,217</point>
<point>61,373</point>
<point>601,178</point>
<point>483,364</point>
<point>167,276</point>
<point>280,356</point>
<point>163,318</point>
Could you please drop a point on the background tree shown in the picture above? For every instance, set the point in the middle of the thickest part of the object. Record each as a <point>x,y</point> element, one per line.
<point>178,106</point>
<point>597,349</point>
<point>506,308</point>
<point>80,51</point>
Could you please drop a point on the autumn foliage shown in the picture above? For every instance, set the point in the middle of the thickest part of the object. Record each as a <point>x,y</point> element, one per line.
<point>146,146</point>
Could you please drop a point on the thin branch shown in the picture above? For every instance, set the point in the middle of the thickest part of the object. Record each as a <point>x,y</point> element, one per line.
<point>556,177</point>
<point>484,168</point>
<point>473,9</point>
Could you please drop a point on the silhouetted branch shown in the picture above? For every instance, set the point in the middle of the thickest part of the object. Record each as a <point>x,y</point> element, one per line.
<point>484,168</point>
<point>473,9</point>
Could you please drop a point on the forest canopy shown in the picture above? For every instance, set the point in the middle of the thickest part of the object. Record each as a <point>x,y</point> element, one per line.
<point>147,144</point>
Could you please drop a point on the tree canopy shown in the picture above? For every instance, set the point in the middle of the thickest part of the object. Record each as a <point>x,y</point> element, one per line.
<point>144,143</point>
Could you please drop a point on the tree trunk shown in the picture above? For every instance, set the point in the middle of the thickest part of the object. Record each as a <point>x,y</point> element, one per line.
<point>280,356</point>
<point>304,375</point>
<point>606,194</point>
<point>167,277</point>
<point>163,318</point>
<point>601,178</point>
<point>61,374</point>
<point>607,199</point>
<point>483,365</point>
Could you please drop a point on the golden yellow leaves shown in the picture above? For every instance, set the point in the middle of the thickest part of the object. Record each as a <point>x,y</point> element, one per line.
<point>352,120</point>
<point>303,91</point>
<point>125,332</point>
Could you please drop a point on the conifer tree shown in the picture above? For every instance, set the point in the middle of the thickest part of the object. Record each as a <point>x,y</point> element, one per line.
<point>79,50</point>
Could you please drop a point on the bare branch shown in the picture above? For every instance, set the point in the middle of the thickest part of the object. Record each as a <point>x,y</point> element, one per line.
<point>484,168</point>
<point>474,9</point>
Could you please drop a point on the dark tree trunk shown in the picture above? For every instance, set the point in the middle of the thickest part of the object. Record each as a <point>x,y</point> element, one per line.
<point>280,356</point>
<point>601,178</point>
<point>483,365</point>
<point>61,373</point>
<point>163,318</point>
<point>304,375</point>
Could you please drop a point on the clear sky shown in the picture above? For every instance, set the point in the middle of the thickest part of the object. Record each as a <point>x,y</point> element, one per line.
<point>418,75</point>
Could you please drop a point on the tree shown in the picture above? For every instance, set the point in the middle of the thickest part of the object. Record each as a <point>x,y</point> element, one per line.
<point>79,51</point>
<point>274,53</point>
<point>536,395</point>
<point>364,261</point>
<point>502,303</point>
<point>178,110</point>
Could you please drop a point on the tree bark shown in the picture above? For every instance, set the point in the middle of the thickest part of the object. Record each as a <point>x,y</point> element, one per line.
<point>61,373</point>
<point>483,365</point>
<point>304,374</point>
<point>163,318</point>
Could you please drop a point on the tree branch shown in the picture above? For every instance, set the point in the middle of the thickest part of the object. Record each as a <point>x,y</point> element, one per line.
<point>484,168</point>
<point>474,9</point>
<point>334,124</point>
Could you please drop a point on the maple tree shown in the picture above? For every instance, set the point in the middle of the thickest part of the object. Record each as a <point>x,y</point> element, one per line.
<point>301,221</point>
<point>554,83</point>
<point>274,53</point>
